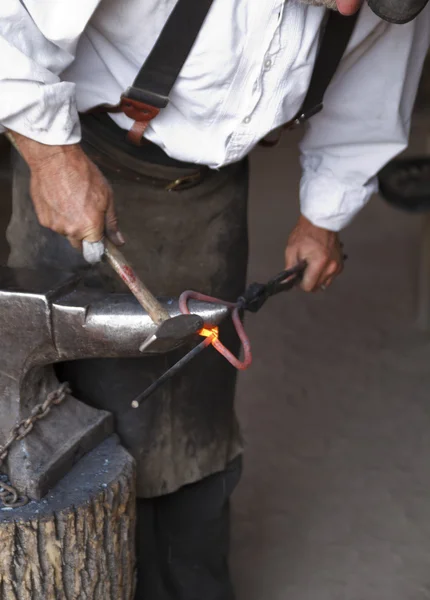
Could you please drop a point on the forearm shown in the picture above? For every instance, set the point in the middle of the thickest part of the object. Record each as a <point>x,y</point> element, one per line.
<point>69,193</point>
<point>37,154</point>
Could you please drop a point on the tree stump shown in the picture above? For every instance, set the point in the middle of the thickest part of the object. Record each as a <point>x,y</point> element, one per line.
<point>78,543</point>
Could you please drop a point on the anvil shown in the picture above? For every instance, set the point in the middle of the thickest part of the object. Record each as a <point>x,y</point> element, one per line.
<point>48,317</point>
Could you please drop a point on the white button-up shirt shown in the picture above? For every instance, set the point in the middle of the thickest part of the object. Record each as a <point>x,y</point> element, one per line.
<point>247,74</point>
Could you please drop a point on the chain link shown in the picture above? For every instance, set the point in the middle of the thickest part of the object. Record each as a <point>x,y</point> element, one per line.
<point>9,496</point>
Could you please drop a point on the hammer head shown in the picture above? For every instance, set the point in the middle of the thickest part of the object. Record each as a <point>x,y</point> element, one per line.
<point>179,328</point>
<point>174,331</point>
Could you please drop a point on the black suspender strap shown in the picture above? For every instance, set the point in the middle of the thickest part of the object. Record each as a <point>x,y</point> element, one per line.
<point>155,80</point>
<point>335,35</point>
<point>335,38</point>
<point>157,77</point>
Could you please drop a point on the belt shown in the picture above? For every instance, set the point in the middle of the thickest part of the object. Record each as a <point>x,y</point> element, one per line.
<point>107,145</point>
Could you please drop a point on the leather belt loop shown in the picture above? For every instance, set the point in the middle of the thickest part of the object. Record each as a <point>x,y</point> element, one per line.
<point>141,113</point>
<point>135,135</point>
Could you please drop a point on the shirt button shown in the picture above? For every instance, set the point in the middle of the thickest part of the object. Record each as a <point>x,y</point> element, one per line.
<point>268,64</point>
<point>247,120</point>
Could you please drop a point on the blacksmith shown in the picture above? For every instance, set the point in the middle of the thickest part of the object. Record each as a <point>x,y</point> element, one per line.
<point>174,187</point>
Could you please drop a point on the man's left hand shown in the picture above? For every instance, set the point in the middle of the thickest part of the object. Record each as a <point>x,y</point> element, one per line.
<point>322,251</point>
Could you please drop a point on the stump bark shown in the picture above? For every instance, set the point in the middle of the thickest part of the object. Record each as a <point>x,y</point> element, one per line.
<point>78,543</point>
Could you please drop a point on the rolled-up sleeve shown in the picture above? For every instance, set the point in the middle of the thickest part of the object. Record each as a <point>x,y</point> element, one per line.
<point>37,42</point>
<point>365,121</point>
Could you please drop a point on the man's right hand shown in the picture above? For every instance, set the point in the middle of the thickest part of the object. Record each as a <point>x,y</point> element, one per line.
<point>70,195</point>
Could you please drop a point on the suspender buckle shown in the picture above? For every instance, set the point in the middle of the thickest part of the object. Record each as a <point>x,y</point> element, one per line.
<point>301,118</point>
<point>141,106</point>
<point>271,142</point>
<point>138,111</point>
<point>146,97</point>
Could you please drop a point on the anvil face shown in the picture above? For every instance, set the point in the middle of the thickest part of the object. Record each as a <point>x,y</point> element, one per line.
<point>48,317</point>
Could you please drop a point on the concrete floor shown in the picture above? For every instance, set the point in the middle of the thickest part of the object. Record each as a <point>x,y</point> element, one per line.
<point>335,500</point>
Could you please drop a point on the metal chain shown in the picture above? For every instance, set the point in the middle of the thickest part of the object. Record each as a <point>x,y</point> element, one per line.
<point>9,496</point>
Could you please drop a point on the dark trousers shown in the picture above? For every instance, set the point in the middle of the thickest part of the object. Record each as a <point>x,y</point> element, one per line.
<point>183,541</point>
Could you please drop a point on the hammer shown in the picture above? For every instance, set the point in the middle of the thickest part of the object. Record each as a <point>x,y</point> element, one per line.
<point>177,328</point>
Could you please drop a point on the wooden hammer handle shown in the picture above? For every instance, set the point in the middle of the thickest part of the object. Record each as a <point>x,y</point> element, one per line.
<point>149,302</point>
